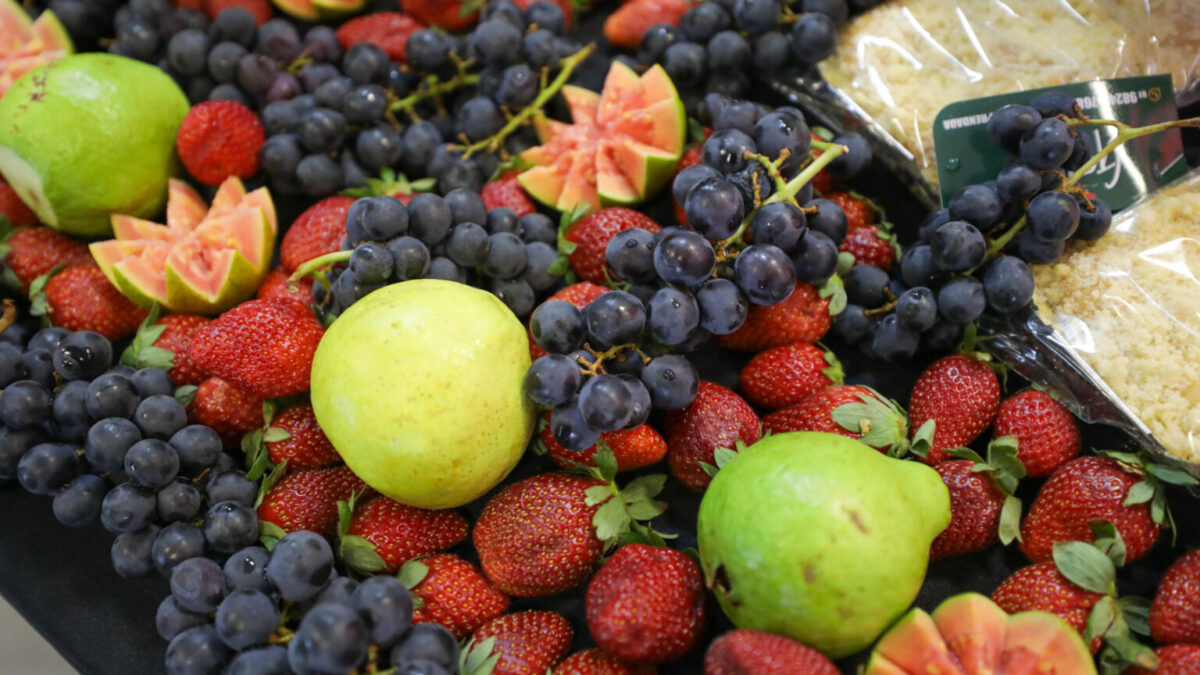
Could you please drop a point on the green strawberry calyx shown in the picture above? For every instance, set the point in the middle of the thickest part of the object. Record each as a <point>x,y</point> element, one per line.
<point>358,553</point>
<point>879,421</point>
<point>478,657</point>
<point>625,513</point>
<point>1005,470</point>
<point>390,183</point>
<point>141,352</point>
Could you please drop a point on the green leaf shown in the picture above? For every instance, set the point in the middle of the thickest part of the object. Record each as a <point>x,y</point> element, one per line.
<point>345,515</point>
<point>878,422</point>
<point>359,554</point>
<point>836,292</point>
<point>605,461</point>
<point>723,456</point>
<point>412,573</point>
<point>644,487</point>
<point>269,533</point>
<point>1132,651</point>
<point>922,440</point>
<point>477,658</point>
<point>610,520</point>
<point>845,263</point>
<point>695,130</point>
<point>834,370</point>
<point>1139,493</point>
<point>646,509</point>
<point>967,453</point>
<point>597,494</point>
<point>275,435</point>
<point>262,460</point>
<point>1085,566</point>
<point>1171,475</point>
<point>1108,541</point>
<point>1136,611</point>
<point>709,469</point>
<point>39,304</point>
<point>185,394</point>
<point>559,267</point>
<point>1158,507</point>
<point>1101,619</point>
<point>269,482</point>
<point>1010,520</point>
<point>566,247</point>
<point>1123,457</point>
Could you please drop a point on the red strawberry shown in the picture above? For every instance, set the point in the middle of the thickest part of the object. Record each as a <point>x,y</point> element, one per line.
<point>34,251</point>
<point>1082,490</point>
<point>815,413</point>
<point>646,604</point>
<point>591,234</point>
<point>307,500</point>
<point>784,376</point>
<point>975,502</point>
<point>717,418</point>
<point>317,231</point>
<point>81,298</point>
<point>506,191</point>
<point>624,27</point>
<point>1042,587</point>
<point>536,537</point>
<point>401,533</point>
<point>306,446</point>
<point>633,448</point>
<point>389,30</point>
<point>175,338</point>
<point>803,317</point>
<point>229,411</point>
<point>448,14</point>
<point>1175,612</point>
<point>275,287</point>
<point>753,652</point>
<point>960,394</point>
<point>690,158</point>
<point>451,591</point>
<point>219,139</point>
<point>870,246</point>
<point>284,334</point>
<point>859,213</point>
<point>578,294</point>
<point>823,182</point>
<point>11,207</point>
<point>1173,660</point>
<point>261,9</point>
<point>1045,430</point>
<point>599,662</point>
<point>528,643</point>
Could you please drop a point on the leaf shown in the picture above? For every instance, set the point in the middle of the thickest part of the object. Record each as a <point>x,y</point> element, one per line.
<point>185,394</point>
<point>1132,651</point>
<point>1010,520</point>
<point>709,469</point>
<point>360,554</point>
<point>1108,541</point>
<point>647,509</point>
<point>723,456</point>
<point>605,461</point>
<point>275,435</point>
<point>1171,475</point>
<point>1158,507</point>
<point>262,460</point>
<point>1085,566</point>
<point>269,533</point>
<point>559,267</point>
<point>477,658</point>
<point>922,440</point>
<point>610,520</point>
<point>345,515</point>
<point>412,573</point>
<point>597,494</point>
<point>39,304</point>
<point>269,482</point>
<point>1101,619</point>
<point>1136,611</point>
<point>967,453</point>
<point>878,423</point>
<point>695,130</point>
<point>836,292</point>
<point>644,487</point>
<point>1139,493</point>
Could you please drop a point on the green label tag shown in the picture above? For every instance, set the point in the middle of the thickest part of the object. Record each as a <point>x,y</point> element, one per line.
<point>966,156</point>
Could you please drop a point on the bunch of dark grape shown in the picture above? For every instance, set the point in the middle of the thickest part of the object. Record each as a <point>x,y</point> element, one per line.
<point>720,45</point>
<point>286,610</point>
<point>974,255</point>
<point>111,443</point>
<point>453,238</point>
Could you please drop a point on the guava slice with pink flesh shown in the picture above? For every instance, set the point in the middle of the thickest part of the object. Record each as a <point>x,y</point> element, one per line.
<point>622,147</point>
<point>204,260</point>
<point>26,44</point>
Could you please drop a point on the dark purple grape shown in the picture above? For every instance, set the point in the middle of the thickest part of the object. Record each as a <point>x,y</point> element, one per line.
<point>1008,285</point>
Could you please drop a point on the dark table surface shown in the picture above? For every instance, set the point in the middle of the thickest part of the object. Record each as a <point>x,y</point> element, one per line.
<point>62,582</point>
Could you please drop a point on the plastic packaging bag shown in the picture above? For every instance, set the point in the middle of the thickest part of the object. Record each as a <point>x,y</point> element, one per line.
<point>1116,326</point>
<point>900,63</point>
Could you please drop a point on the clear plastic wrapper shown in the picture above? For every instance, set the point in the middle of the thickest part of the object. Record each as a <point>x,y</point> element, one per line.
<point>1116,325</point>
<point>900,63</point>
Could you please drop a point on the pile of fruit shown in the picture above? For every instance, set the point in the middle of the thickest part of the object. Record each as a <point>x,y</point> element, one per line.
<point>395,348</point>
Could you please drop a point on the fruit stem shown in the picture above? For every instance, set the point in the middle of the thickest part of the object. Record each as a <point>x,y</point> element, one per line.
<point>823,145</point>
<point>310,266</point>
<point>9,316</point>
<point>772,166</point>
<point>432,88</point>
<point>567,66</point>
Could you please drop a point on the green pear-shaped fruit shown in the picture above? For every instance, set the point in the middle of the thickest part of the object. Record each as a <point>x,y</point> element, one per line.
<point>820,538</point>
<point>419,387</point>
<point>88,136</point>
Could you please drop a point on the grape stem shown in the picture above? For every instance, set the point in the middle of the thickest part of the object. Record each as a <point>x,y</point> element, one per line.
<point>432,88</point>
<point>1124,133</point>
<point>567,65</point>
<point>311,266</point>
<point>9,316</point>
<point>597,366</point>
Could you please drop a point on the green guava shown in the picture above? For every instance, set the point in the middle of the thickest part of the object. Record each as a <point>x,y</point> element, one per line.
<point>88,136</point>
<point>819,537</point>
<point>419,387</point>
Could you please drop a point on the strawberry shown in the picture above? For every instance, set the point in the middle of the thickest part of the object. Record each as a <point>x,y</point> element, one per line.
<point>599,662</point>
<point>308,500</point>
<point>1173,660</point>
<point>717,418</point>
<point>589,236</point>
<point>784,376</point>
<point>870,245</point>
<point>885,421</point>
<point>261,9</point>
<point>229,411</point>
<point>275,286</point>
<point>389,30</point>
<point>528,643</point>
<point>646,604</point>
<point>624,27</point>
<point>1082,490</point>
<point>1042,587</point>
<point>451,591</point>
<point>1045,430</point>
<point>578,294</point>
<point>448,14</point>
<point>218,139</point>
<point>176,338</point>
<point>306,446</point>
<point>859,212</point>
<point>400,533</point>
<point>506,191</point>
<point>284,334</point>
<point>803,317</point>
<point>983,509</point>
<point>536,537</point>
<point>34,251</point>
<point>690,158</point>
<point>633,448</point>
<point>823,182</point>
<point>317,231</point>
<point>1175,611</point>
<point>11,207</point>
<point>960,395</point>
<point>81,298</point>
<point>753,652</point>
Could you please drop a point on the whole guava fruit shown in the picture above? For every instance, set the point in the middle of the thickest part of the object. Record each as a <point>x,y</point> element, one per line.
<point>419,387</point>
<point>819,537</point>
<point>91,135</point>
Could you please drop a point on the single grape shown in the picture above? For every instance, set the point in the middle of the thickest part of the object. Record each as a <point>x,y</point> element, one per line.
<point>1038,251</point>
<point>849,165</point>
<point>630,255</point>
<point>770,52</point>
<point>852,324</point>
<point>570,429</point>
<point>130,553</point>
<point>1093,221</point>
<point>957,246</point>
<point>174,544</point>
<point>178,501</point>
<point>229,526</point>
<point>79,504</point>
<point>961,299</point>
<point>300,565</point>
<point>779,224</point>
<point>518,87</point>
<point>371,263</point>
<point>466,207</point>
<point>754,184</point>
<point>196,650</point>
<point>517,294</point>
<point>538,272</point>
<point>715,208</point>
<point>614,318</point>
<point>39,366</point>
<point>495,43</point>
<point>978,205</point>
<point>685,63</point>
<point>776,133</point>
<point>280,155</point>
<point>726,150</point>
<point>829,219</point>
<point>318,175</point>
<point>25,404</point>
<point>723,307</point>
<point>894,341</point>
<point>756,16</point>
<point>672,381</point>
<point>171,619</point>
<point>1017,183</point>
<point>502,219</point>
<point>198,448</point>
<point>506,256</point>
<point>379,147</point>
<point>688,178</point>
<point>428,643</point>
<point>426,50</point>
<point>270,660</point>
<point>107,442</point>
<point>365,104</point>
<point>552,380</point>
<point>331,637</point>
<point>655,41</point>
<point>160,416</point>
<point>546,15</point>
<point>728,51</point>
<point>47,338</point>
<point>198,585</point>
<point>702,22</point>
<point>916,309</point>
<point>814,37</point>
<point>538,227</point>
<point>468,245</point>
<point>1008,284</point>
<point>82,355</point>
<point>672,315</point>
<point>815,257</point>
<point>127,508</point>
<point>235,24</point>
<point>70,411</point>
<point>557,326</point>
<point>331,93</point>
<point>152,382</point>
<point>385,606</point>
<point>152,463</point>
<point>1052,216</point>
<point>1054,103</point>
<point>765,274</point>
<point>1047,145</point>
<point>365,63</point>
<point>232,486</point>
<point>865,285</point>
<point>255,74</point>
<point>187,52</point>
<point>247,569</point>
<point>246,618</point>
<point>1007,125</point>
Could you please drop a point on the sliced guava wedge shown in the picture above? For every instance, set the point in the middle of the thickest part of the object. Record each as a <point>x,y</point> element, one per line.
<point>314,10</point>
<point>204,260</point>
<point>26,44</point>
